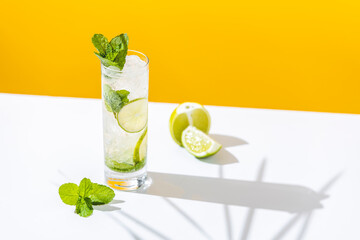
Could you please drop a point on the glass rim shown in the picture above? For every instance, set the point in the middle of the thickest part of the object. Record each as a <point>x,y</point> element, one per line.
<point>120,71</point>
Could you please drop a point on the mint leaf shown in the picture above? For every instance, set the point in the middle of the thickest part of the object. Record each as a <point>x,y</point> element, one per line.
<point>69,193</point>
<point>123,41</point>
<point>101,43</point>
<point>101,194</point>
<point>108,51</point>
<point>108,108</point>
<point>104,61</point>
<point>85,188</point>
<point>123,94</point>
<point>113,53</point>
<point>112,99</point>
<point>84,207</point>
<point>85,196</point>
<point>116,45</point>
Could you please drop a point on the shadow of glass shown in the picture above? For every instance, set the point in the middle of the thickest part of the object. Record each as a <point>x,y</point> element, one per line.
<point>307,215</point>
<point>228,141</point>
<point>281,197</point>
<point>223,157</point>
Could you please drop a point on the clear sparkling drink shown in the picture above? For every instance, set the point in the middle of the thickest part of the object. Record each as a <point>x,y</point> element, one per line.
<point>124,108</point>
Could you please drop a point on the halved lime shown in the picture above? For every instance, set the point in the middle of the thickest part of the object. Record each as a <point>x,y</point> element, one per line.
<point>186,114</point>
<point>133,116</point>
<point>198,143</point>
<point>141,148</point>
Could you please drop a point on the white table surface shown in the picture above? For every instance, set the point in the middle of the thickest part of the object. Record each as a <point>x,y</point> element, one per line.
<point>257,187</point>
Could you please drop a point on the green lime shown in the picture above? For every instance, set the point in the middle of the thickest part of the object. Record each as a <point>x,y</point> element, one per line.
<point>186,114</point>
<point>198,143</point>
<point>141,148</point>
<point>133,116</point>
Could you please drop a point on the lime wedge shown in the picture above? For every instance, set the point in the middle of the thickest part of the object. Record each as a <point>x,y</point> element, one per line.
<point>141,148</point>
<point>198,143</point>
<point>133,116</point>
<point>186,114</point>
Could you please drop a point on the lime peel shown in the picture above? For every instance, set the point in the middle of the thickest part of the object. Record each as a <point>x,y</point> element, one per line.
<point>141,148</point>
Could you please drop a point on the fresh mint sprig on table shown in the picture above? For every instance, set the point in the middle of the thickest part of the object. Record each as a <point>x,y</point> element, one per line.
<point>114,100</point>
<point>111,53</point>
<point>85,196</point>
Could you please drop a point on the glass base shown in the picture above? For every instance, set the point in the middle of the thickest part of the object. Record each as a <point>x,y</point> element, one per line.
<point>126,181</point>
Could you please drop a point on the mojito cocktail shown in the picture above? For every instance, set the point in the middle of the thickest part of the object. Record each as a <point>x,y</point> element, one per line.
<point>124,109</point>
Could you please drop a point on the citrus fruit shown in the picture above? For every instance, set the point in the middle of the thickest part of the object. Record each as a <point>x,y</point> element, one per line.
<point>198,143</point>
<point>141,148</point>
<point>186,114</point>
<point>133,116</point>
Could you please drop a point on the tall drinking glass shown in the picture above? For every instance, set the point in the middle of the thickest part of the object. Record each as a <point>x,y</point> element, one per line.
<point>124,110</point>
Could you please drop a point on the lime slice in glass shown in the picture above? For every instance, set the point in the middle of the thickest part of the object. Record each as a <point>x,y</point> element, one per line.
<point>141,148</point>
<point>186,114</point>
<point>198,143</point>
<point>133,116</point>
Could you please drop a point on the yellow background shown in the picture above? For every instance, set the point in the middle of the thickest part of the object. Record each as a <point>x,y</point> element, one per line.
<point>301,55</point>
